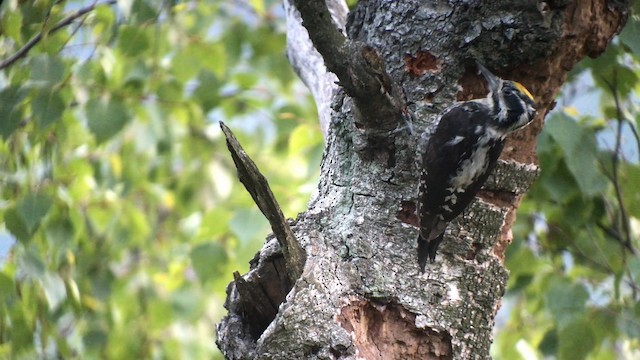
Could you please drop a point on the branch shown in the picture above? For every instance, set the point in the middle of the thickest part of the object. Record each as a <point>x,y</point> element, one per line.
<point>257,185</point>
<point>308,63</point>
<point>38,37</point>
<point>361,71</point>
<point>327,39</point>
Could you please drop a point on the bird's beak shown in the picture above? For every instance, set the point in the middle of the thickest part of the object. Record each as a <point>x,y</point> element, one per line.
<point>494,81</point>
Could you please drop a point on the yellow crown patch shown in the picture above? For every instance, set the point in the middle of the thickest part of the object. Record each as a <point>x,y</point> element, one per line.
<point>523,90</point>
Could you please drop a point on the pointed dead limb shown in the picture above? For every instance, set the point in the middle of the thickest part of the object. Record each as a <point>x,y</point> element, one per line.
<point>257,185</point>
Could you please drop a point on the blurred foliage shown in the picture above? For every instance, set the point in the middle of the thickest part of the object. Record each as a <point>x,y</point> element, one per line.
<point>573,291</point>
<point>116,184</point>
<point>128,221</point>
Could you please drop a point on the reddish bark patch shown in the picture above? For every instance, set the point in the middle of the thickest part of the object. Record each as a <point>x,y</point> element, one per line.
<point>474,250</point>
<point>473,85</point>
<point>499,198</point>
<point>429,97</point>
<point>389,332</point>
<point>407,213</point>
<point>421,63</point>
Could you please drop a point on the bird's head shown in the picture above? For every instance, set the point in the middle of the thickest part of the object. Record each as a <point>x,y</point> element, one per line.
<point>512,103</point>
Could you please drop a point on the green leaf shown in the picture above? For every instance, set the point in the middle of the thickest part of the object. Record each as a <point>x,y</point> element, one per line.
<point>185,304</point>
<point>215,223</point>
<point>142,11</point>
<point>106,117</point>
<point>248,225</point>
<point>634,268</point>
<point>207,91</point>
<point>603,323</point>
<point>575,340</point>
<point>302,138</point>
<point>623,78</point>
<point>580,147</point>
<point>22,330</point>
<point>246,80</point>
<point>549,343</point>
<point>16,226</point>
<point>104,17</point>
<point>134,40</point>
<point>32,209</point>
<point>160,314</point>
<point>630,35</point>
<point>137,77</point>
<point>170,90</point>
<point>630,183</point>
<point>629,323</point>
<point>102,218</point>
<point>47,70</point>
<point>236,35</point>
<point>11,24</point>
<point>195,57</point>
<point>94,338</point>
<point>8,294</point>
<point>31,265</point>
<point>47,107</point>
<point>10,109</point>
<point>208,260</point>
<point>91,74</point>
<point>566,300</point>
<point>54,290</point>
<point>559,182</point>
<point>523,263</point>
<point>565,131</point>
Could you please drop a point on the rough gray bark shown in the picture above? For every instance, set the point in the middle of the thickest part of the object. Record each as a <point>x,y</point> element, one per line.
<point>361,293</point>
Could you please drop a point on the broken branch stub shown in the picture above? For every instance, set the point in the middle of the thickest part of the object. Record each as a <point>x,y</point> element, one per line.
<point>257,185</point>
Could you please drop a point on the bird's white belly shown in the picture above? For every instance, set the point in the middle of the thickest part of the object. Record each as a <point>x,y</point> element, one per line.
<point>470,169</point>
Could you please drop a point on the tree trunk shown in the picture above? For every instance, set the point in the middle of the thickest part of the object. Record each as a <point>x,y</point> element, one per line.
<point>361,294</point>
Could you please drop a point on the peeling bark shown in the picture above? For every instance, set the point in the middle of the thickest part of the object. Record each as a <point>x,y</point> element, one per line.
<point>361,293</point>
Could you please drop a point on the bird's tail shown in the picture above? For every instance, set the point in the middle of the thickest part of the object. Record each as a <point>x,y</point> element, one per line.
<point>427,250</point>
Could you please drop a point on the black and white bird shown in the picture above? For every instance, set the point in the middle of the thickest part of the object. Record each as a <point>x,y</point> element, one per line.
<point>462,152</point>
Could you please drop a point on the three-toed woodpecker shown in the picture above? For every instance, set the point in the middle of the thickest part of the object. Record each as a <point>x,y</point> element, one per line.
<point>462,152</point>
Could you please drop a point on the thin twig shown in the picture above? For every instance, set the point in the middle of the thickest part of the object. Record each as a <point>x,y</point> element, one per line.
<point>635,133</point>
<point>624,219</point>
<point>611,232</point>
<point>75,30</point>
<point>633,285</point>
<point>577,251</point>
<point>38,37</point>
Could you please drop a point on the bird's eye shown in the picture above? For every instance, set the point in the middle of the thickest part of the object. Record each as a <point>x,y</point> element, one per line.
<point>507,91</point>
